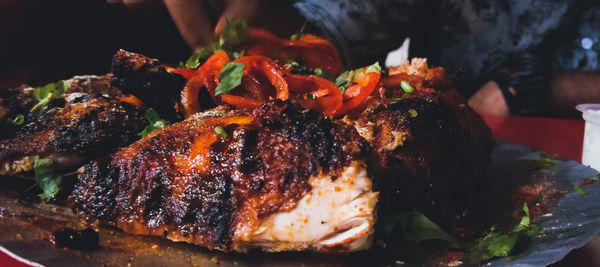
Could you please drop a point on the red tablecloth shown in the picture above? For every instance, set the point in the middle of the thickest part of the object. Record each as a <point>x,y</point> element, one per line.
<point>558,136</point>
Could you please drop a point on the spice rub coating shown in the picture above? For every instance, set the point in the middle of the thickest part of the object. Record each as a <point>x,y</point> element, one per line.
<point>190,183</point>
<point>71,129</point>
<point>144,77</point>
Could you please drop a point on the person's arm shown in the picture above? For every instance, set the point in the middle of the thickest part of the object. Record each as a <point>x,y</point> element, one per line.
<point>569,88</point>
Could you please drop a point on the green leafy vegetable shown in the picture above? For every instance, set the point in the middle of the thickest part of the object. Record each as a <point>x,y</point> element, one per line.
<point>579,190</point>
<point>416,227</point>
<point>407,87</point>
<point>546,161</point>
<point>155,122</point>
<point>46,179</point>
<point>495,244</point>
<point>18,120</point>
<point>48,92</point>
<point>221,132</point>
<point>231,77</point>
<point>296,67</point>
<point>234,34</point>
<point>346,78</point>
<point>374,68</point>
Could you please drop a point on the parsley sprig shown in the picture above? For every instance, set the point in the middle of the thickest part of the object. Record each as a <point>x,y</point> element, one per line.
<point>417,228</point>
<point>346,78</point>
<point>48,92</point>
<point>46,179</point>
<point>231,77</point>
<point>155,122</point>
<point>235,33</point>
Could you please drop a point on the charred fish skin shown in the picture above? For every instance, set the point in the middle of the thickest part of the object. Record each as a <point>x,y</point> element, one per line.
<point>145,78</point>
<point>424,158</point>
<point>71,130</point>
<point>187,183</point>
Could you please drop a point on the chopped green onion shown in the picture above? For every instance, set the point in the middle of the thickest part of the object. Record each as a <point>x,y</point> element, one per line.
<point>155,122</point>
<point>413,113</point>
<point>18,120</point>
<point>579,190</point>
<point>221,132</point>
<point>407,87</point>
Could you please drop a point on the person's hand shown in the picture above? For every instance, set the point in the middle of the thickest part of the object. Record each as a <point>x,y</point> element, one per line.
<point>489,100</point>
<point>192,19</point>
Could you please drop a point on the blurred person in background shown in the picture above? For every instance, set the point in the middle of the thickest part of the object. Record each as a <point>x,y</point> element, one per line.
<point>529,58</point>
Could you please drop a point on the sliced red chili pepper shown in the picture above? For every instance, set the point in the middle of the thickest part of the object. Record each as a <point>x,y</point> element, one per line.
<point>208,76</point>
<point>312,51</point>
<point>316,93</point>
<point>315,52</point>
<point>360,89</point>
<point>273,72</point>
<point>241,102</point>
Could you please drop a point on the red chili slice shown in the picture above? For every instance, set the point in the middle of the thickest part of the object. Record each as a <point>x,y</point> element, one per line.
<point>208,76</point>
<point>314,92</point>
<point>358,92</point>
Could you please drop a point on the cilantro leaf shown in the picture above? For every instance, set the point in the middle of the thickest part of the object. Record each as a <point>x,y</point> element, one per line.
<point>417,228</point>
<point>296,67</point>
<point>496,244</point>
<point>231,77</point>
<point>46,179</point>
<point>155,122</point>
<point>492,245</point>
<point>235,33</point>
<point>347,77</point>
<point>48,92</point>
<point>374,68</point>
<point>18,120</point>
<point>546,161</point>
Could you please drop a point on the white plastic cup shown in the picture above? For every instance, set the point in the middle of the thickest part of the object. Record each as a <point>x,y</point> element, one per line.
<point>591,137</point>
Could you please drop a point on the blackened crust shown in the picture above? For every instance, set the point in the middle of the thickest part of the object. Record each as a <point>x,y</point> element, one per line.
<point>145,78</point>
<point>186,183</point>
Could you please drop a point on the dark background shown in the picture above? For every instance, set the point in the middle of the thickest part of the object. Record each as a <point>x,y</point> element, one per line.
<point>43,41</point>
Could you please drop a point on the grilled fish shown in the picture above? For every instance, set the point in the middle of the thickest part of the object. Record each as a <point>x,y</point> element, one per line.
<point>71,129</point>
<point>278,178</point>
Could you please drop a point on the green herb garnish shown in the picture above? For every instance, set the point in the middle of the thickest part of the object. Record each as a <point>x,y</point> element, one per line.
<point>413,113</point>
<point>546,161</point>
<point>48,92</point>
<point>46,179</point>
<point>221,132</point>
<point>416,227</point>
<point>155,122</point>
<point>495,244</point>
<point>579,190</point>
<point>231,77</point>
<point>407,87</point>
<point>235,33</point>
<point>296,67</point>
<point>347,77</point>
<point>18,120</point>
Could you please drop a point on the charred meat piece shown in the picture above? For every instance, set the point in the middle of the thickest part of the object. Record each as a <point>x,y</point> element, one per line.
<point>423,158</point>
<point>20,100</point>
<point>70,129</point>
<point>145,78</point>
<point>280,178</point>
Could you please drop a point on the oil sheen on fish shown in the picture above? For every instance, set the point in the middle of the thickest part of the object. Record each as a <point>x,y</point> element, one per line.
<point>279,178</point>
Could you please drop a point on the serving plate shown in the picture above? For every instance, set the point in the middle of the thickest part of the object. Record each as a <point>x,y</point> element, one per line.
<point>569,222</point>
